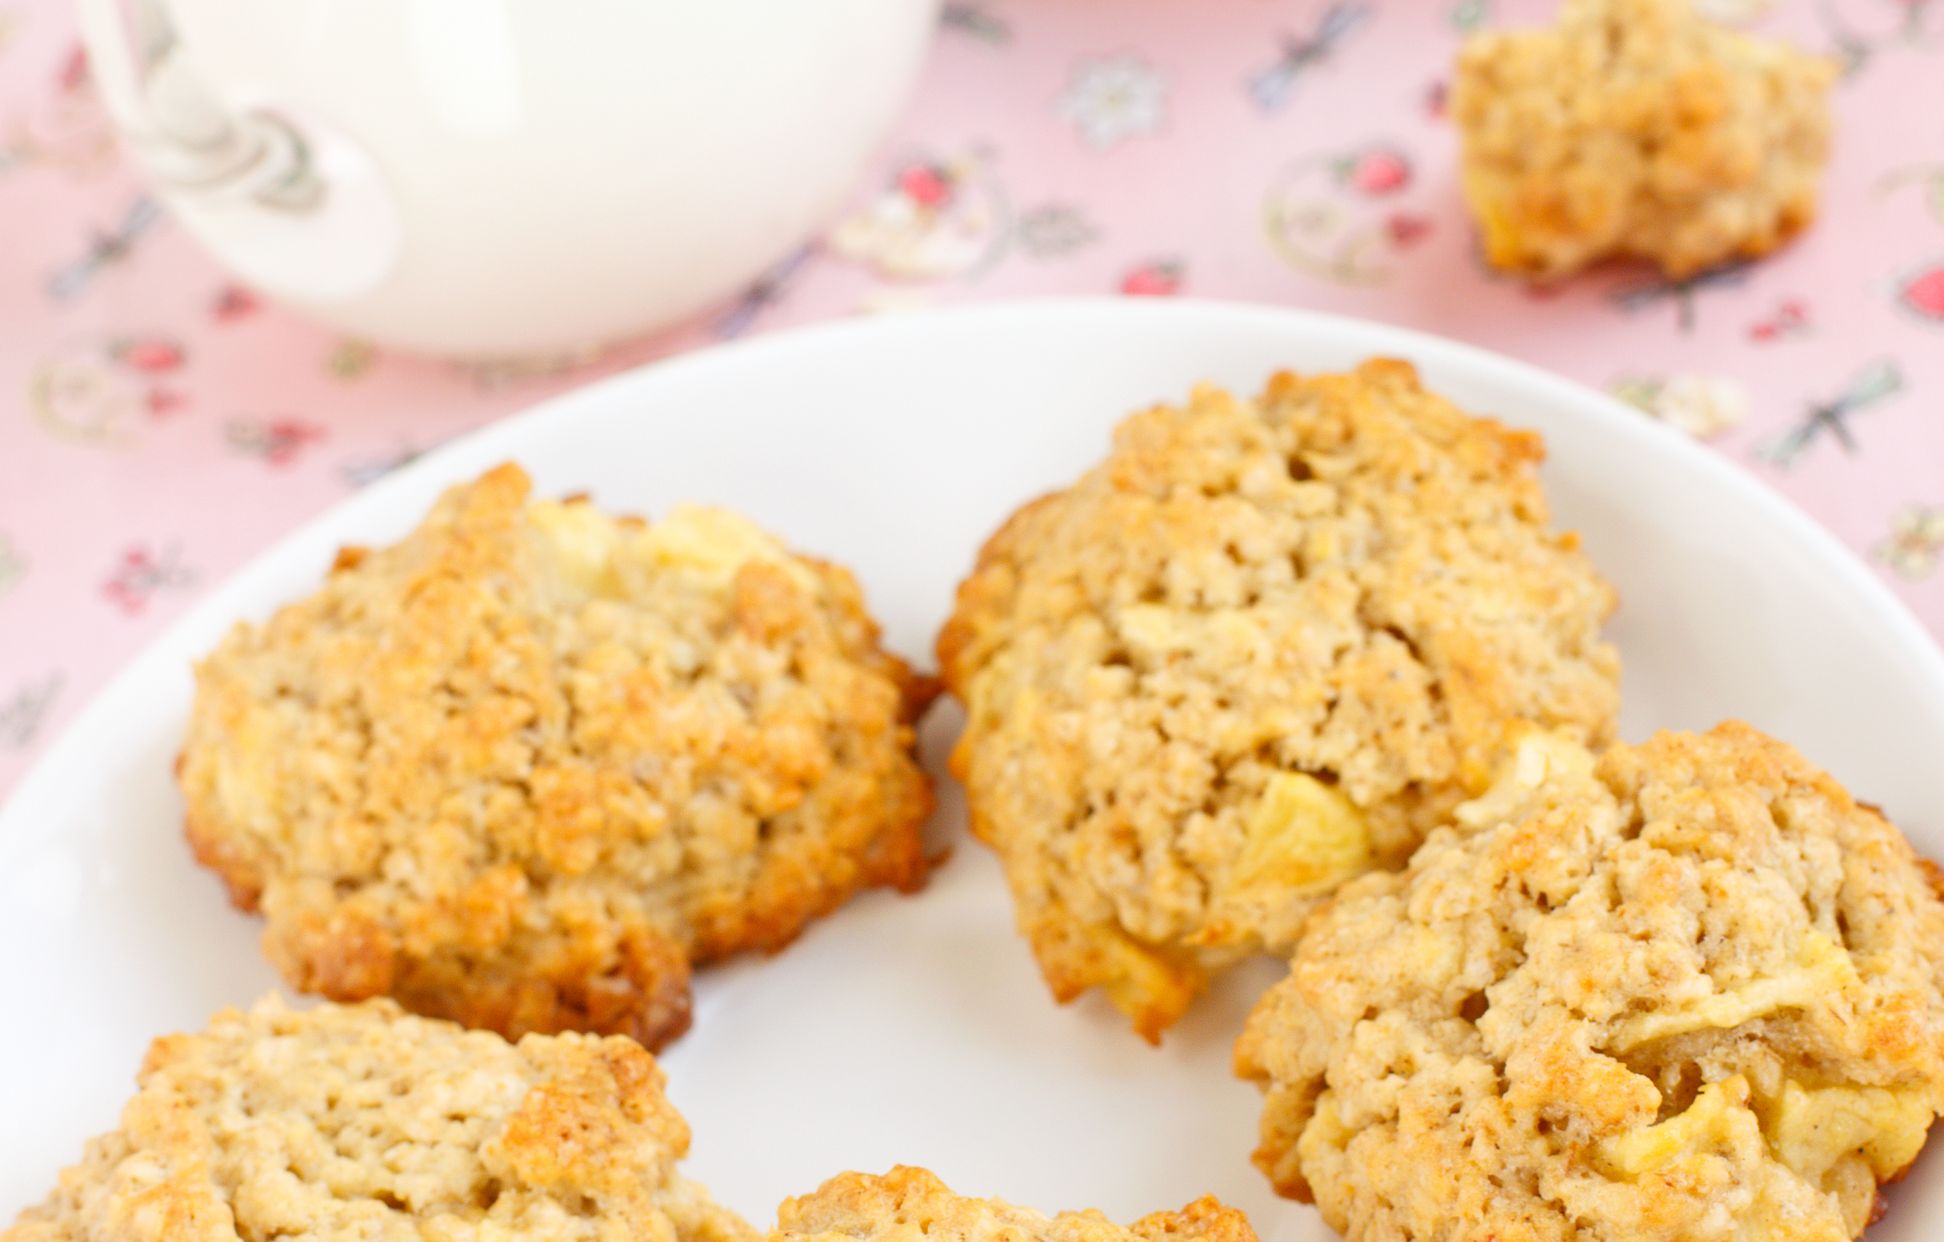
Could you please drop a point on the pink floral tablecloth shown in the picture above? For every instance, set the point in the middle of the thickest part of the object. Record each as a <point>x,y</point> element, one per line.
<point>159,425</point>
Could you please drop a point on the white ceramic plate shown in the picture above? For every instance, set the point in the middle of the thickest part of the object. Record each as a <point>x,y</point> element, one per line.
<point>917,1030</point>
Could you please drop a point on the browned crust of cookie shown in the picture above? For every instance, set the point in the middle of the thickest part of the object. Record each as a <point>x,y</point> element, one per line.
<point>861,1207</point>
<point>1347,579</point>
<point>526,767</point>
<point>1637,129</point>
<point>1689,983</point>
<point>345,1123</point>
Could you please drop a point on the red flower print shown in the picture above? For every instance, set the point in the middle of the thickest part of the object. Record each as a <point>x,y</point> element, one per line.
<point>74,70</point>
<point>1406,228</point>
<point>285,437</point>
<point>1437,100</point>
<point>151,355</point>
<point>275,441</point>
<point>1790,319</point>
<point>140,575</point>
<point>233,302</point>
<point>927,185</point>
<point>940,217</point>
<point>1924,292</point>
<point>1377,170</point>
<point>1155,278</point>
<point>162,402</point>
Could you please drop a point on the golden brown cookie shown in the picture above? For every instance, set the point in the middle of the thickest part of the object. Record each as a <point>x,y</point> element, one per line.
<point>365,1124</point>
<point>524,767</point>
<point>1687,992</point>
<point>1636,129</point>
<point>1266,645</point>
<point>910,1205</point>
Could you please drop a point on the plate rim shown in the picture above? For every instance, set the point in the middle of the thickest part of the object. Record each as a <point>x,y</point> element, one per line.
<point>40,784</point>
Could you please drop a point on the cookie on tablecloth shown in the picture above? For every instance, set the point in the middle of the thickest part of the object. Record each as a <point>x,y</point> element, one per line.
<point>1637,129</point>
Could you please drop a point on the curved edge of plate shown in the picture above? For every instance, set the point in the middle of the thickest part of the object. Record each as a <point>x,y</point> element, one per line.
<point>204,622</point>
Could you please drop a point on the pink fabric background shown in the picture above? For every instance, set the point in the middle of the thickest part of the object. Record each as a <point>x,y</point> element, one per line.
<point>158,426</point>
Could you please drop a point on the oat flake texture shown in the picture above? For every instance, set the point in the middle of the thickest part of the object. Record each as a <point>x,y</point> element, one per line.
<point>366,1123</point>
<point>1636,129</point>
<point>1686,992</point>
<point>1266,645</point>
<point>526,766</point>
<point>909,1204</point>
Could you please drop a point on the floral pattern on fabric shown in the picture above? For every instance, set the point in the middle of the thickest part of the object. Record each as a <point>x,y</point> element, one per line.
<point>1294,154</point>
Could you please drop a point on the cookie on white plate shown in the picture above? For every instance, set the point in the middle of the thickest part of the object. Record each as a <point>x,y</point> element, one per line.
<point>908,1204</point>
<point>1264,646</point>
<point>524,767</point>
<point>366,1124</point>
<point>1687,990</point>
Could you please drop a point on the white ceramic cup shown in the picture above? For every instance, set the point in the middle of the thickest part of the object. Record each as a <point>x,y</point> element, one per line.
<point>485,177</point>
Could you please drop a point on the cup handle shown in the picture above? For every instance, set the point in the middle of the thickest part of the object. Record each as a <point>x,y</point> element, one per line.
<point>181,132</point>
<point>291,205</point>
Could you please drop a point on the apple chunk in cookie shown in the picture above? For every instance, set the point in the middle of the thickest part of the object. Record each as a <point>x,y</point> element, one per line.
<point>1687,989</point>
<point>1265,646</point>
<point>526,766</point>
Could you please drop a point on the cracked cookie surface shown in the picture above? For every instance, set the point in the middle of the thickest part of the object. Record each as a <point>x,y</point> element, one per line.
<point>1636,129</point>
<point>908,1204</point>
<point>526,766</point>
<point>1686,992</point>
<point>1266,645</point>
<point>366,1123</point>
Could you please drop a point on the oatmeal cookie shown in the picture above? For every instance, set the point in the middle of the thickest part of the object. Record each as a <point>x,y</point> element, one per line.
<point>526,766</point>
<point>365,1124</point>
<point>909,1204</point>
<point>1686,992</point>
<point>1264,646</point>
<point>1637,129</point>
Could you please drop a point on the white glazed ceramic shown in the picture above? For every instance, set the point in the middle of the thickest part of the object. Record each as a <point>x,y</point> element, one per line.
<point>495,176</point>
<point>916,1029</point>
